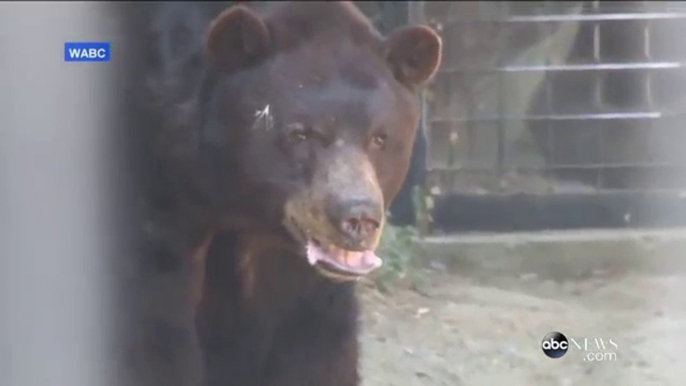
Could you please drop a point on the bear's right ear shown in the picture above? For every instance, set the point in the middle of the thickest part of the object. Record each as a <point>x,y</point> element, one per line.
<point>414,54</point>
<point>236,39</point>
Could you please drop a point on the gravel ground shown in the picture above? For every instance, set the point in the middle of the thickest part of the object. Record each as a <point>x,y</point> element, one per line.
<point>468,331</point>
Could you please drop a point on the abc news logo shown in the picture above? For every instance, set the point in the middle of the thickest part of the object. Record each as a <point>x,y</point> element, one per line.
<point>555,345</point>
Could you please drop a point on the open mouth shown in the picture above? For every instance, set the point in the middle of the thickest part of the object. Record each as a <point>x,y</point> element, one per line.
<point>340,262</point>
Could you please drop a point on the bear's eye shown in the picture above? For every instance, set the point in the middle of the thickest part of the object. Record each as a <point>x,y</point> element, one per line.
<point>379,140</point>
<point>298,133</point>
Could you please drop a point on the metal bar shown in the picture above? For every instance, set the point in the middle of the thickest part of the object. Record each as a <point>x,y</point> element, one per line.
<point>573,18</point>
<point>598,88</point>
<point>599,101</point>
<point>596,35</point>
<point>550,109</point>
<point>520,212</point>
<point>561,167</point>
<point>415,15</point>
<point>592,193</point>
<point>648,52</point>
<point>562,117</point>
<point>568,67</point>
<point>603,178</point>
<point>501,101</point>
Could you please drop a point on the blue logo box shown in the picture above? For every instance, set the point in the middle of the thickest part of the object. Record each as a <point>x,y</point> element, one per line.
<point>86,52</point>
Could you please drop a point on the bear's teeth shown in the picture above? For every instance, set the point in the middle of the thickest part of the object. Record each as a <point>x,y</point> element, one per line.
<point>353,260</point>
<point>313,253</point>
<point>371,259</point>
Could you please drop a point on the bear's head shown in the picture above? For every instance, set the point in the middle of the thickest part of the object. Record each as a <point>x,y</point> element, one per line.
<point>310,125</point>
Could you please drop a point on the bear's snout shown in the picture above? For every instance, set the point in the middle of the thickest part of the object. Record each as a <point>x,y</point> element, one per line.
<point>357,220</point>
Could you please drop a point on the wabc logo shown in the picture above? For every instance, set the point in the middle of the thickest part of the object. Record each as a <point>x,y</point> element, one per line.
<point>555,344</point>
<point>87,52</point>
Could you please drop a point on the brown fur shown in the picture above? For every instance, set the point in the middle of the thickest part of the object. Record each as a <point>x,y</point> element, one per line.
<point>342,119</point>
<point>198,260</point>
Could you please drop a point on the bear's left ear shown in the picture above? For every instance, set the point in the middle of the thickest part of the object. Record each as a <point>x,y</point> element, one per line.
<point>414,54</point>
<point>237,38</point>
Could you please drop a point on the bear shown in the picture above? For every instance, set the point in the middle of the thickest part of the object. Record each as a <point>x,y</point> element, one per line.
<point>306,122</point>
<point>158,54</point>
<point>282,142</point>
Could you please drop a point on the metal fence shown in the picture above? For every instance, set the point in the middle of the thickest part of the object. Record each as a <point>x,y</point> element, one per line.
<point>557,115</point>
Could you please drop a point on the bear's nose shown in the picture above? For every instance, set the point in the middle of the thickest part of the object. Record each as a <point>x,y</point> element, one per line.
<point>358,221</point>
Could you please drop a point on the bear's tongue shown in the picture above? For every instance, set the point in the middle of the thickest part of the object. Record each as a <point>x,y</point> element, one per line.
<point>358,263</point>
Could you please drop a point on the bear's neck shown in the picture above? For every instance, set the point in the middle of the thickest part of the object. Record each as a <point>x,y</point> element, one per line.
<point>267,313</point>
<point>271,282</point>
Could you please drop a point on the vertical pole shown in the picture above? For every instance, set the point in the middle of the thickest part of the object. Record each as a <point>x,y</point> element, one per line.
<point>421,195</point>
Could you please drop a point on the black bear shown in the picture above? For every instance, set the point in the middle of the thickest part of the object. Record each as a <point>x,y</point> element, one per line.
<point>307,118</point>
<point>283,162</point>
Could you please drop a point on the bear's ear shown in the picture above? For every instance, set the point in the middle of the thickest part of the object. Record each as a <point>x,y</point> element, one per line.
<point>236,39</point>
<point>414,54</point>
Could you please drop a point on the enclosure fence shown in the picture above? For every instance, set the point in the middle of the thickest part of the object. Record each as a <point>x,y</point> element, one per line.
<point>557,115</point>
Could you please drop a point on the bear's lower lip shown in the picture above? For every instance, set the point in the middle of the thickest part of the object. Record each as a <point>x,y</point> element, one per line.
<point>352,263</point>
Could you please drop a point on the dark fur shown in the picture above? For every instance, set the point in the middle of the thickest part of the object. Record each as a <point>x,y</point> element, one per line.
<point>289,326</point>
<point>266,317</point>
<point>154,337</point>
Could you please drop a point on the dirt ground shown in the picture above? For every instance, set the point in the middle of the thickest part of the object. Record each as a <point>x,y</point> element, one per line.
<point>488,331</point>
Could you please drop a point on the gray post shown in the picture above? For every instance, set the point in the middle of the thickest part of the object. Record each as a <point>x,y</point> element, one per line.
<point>54,118</point>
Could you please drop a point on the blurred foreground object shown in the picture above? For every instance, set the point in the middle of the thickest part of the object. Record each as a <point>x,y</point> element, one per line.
<point>54,121</point>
